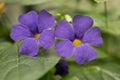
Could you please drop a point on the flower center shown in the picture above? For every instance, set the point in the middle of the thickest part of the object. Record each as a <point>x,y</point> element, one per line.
<point>77,42</point>
<point>37,36</point>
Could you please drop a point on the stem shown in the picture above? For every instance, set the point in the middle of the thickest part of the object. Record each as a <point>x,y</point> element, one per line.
<point>107,26</point>
<point>18,61</point>
<point>106,14</point>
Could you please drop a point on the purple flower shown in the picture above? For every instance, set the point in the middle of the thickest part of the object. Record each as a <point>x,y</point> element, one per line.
<point>34,29</point>
<point>77,39</point>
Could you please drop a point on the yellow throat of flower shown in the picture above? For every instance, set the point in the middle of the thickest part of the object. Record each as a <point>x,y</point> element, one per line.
<point>37,36</point>
<point>77,42</point>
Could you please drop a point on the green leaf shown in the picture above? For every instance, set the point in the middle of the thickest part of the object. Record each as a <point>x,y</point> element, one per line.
<point>99,20</point>
<point>101,69</point>
<point>19,67</point>
<point>100,1</point>
<point>101,53</point>
<point>24,2</point>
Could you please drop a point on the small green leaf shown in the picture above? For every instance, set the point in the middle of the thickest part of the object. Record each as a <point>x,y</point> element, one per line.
<point>100,1</point>
<point>24,2</point>
<point>20,67</point>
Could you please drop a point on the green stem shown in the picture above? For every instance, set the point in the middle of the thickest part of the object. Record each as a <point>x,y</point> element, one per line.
<point>107,26</point>
<point>106,14</point>
<point>18,61</point>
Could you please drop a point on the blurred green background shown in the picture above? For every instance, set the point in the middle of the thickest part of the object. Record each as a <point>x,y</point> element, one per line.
<point>106,15</point>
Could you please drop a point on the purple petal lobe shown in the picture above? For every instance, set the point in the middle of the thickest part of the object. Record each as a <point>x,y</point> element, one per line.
<point>45,20</point>
<point>20,32</point>
<point>64,48</point>
<point>81,24</point>
<point>29,19</point>
<point>29,47</point>
<point>84,54</point>
<point>47,38</point>
<point>63,30</point>
<point>93,37</point>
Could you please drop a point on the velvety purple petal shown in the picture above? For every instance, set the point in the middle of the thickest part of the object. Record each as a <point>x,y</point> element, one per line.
<point>84,54</point>
<point>45,20</point>
<point>20,32</point>
<point>29,47</point>
<point>64,48</point>
<point>81,24</point>
<point>93,37</point>
<point>63,30</point>
<point>47,38</point>
<point>30,20</point>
